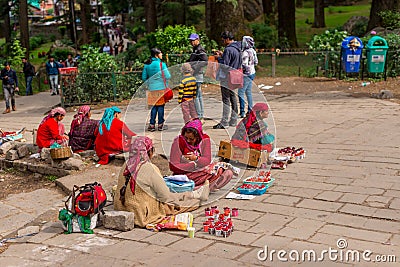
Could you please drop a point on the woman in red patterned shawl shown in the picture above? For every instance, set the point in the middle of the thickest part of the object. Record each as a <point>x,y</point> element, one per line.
<point>191,155</point>
<point>82,132</point>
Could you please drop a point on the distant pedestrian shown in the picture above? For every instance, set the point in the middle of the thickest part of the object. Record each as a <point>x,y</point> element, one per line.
<point>198,60</point>
<point>187,93</point>
<point>29,72</point>
<point>107,49</point>
<point>52,67</point>
<point>10,85</point>
<point>70,61</point>
<point>250,60</point>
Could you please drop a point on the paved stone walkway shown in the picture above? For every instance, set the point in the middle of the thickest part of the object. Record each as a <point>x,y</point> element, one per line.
<point>346,188</point>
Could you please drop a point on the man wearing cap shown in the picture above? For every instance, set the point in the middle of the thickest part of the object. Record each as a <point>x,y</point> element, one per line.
<point>198,59</point>
<point>10,84</point>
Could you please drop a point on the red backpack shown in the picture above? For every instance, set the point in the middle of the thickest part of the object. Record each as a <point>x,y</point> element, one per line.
<point>87,200</point>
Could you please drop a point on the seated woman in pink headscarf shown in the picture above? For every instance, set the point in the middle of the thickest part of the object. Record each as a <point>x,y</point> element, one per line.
<point>252,131</point>
<point>191,155</point>
<point>82,132</point>
<point>51,129</point>
<point>142,190</point>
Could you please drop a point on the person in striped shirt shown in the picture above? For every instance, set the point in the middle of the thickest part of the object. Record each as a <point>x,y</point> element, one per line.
<point>187,93</point>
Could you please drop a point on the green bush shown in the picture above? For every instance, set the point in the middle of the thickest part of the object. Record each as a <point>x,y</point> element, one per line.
<point>62,30</point>
<point>174,39</point>
<point>390,19</point>
<point>61,54</point>
<point>264,35</point>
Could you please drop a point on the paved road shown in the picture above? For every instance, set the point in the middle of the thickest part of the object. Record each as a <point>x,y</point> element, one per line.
<point>347,188</point>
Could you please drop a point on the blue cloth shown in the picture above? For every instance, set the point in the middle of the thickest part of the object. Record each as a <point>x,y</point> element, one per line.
<point>11,77</point>
<point>29,85</point>
<point>247,85</point>
<point>155,82</point>
<point>107,118</point>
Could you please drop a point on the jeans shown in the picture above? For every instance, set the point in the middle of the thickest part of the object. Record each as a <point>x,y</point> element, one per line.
<point>229,104</point>
<point>9,94</point>
<point>29,85</point>
<point>153,114</point>
<point>247,85</point>
<point>198,101</point>
<point>54,83</point>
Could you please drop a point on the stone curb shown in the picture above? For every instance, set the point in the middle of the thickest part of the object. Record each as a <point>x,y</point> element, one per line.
<point>34,168</point>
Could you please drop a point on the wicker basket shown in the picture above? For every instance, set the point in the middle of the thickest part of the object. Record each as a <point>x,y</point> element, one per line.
<point>61,153</point>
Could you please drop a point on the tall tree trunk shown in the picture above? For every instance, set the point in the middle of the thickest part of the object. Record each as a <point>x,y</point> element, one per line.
<point>227,17</point>
<point>7,21</point>
<point>72,19</point>
<point>378,6</point>
<point>150,14</point>
<point>87,25</point>
<point>267,7</point>
<point>287,22</point>
<point>23,25</point>
<point>209,14</point>
<point>299,3</point>
<point>319,14</point>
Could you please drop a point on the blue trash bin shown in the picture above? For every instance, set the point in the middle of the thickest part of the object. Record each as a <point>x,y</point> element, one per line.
<point>351,53</point>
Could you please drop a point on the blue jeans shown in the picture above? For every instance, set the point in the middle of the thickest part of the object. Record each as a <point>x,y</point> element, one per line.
<point>153,114</point>
<point>198,101</point>
<point>54,83</point>
<point>247,85</point>
<point>29,85</point>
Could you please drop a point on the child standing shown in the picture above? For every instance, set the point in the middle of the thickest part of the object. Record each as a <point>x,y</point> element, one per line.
<point>187,93</point>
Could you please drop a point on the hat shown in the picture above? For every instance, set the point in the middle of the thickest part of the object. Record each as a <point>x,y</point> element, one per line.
<point>186,68</point>
<point>194,36</point>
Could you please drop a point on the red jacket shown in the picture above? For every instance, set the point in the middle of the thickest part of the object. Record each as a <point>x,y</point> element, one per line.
<point>114,141</point>
<point>179,166</point>
<point>48,133</point>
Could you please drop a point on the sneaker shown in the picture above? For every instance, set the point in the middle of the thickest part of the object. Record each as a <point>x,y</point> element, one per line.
<point>14,108</point>
<point>162,127</point>
<point>219,126</point>
<point>151,128</point>
<point>53,93</point>
<point>242,115</point>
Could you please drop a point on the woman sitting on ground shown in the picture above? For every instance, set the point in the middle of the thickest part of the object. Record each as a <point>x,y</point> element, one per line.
<point>51,130</point>
<point>252,131</point>
<point>82,132</point>
<point>141,188</point>
<point>191,155</point>
<point>112,136</point>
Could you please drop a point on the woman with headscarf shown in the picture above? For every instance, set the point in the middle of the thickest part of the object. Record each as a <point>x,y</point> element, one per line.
<point>51,129</point>
<point>156,75</point>
<point>252,131</point>
<point>141,188</point>
<point>82,132</point>
<point>112,136</point>
<point>191,155</point>
<point>249,61</point>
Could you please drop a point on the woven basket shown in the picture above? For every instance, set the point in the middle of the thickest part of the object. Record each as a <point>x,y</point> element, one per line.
<point>61,153</point>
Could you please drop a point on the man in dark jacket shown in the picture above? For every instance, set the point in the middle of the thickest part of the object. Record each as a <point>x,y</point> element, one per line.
<point>198,59</point>
<point>52,67</point>
<point>29,71</point>
<point>229,59</point>
<point>9,78</point>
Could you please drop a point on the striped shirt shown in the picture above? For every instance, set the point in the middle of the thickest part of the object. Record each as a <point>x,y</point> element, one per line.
<point>187,88</point>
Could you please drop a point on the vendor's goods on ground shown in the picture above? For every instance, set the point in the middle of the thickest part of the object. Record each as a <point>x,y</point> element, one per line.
<point>179,183</point>
<point>180,221</point>
<point>280,157</point>
<point>248,156</point>
<point>257,184</point>
<point>219,223</point>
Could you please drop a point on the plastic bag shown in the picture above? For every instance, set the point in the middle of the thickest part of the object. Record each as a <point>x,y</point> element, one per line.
<point>179,221</point>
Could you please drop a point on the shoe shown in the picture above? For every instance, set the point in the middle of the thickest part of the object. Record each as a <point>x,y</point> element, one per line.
<point>219,126</point>
<point>232,123</point>
<point>203,192</point>
<point>242,115</point>
<point>162,127</point>
<point>53,93</point>
<point>14,108</point>
<point>6,111</point>
<point>151,128</point>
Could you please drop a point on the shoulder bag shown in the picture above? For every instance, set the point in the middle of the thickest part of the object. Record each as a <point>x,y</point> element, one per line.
<point>168,93</point>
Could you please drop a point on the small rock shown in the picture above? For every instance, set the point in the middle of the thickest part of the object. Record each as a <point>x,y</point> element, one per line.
<point>7,146</point>
<point>12,155</point>
<point>45,155</point>
<point>33,149</point>
<point>37,175</point>
<point>23,151</point>
<point>119,220</point>
<point>385,94</point>
<point>96,158</point>
<point>87,153</point>
<point>28,231</point>
<point>68,164</point>
<point>76,156</point>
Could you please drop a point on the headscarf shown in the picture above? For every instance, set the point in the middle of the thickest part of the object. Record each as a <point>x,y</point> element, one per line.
<point>253,124</point>
<point>54,111</point>
<point>78,117</point>
<point>138,155</point>
<point>107,118</point>
<point>247,42</point>
<point>196,125</point>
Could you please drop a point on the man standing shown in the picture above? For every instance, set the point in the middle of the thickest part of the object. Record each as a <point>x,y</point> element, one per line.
<point>198,59</point>
<point>229,59</point>
<point>29,72</point>
<point>52,70</point>
<point>70,61</point>
<point>9,78</point>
